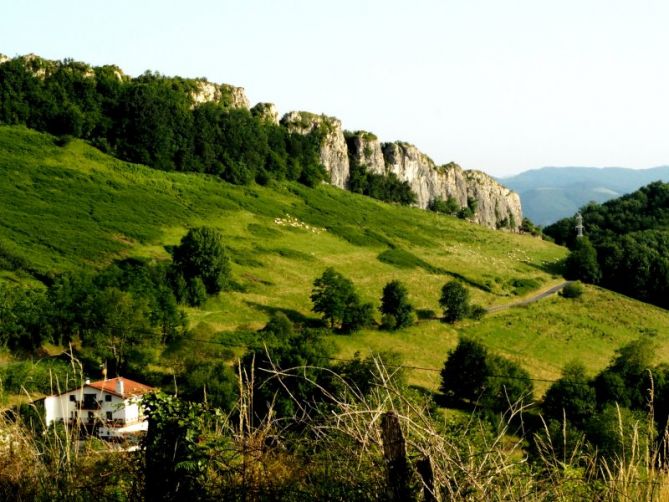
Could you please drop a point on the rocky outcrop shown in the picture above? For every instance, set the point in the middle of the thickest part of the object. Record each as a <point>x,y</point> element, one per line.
<point>266,112</point>
<point>334,153</point>
<point>225,94</point>
<point>496,206</point>
<point>364,149</point>
<point>426,180</point>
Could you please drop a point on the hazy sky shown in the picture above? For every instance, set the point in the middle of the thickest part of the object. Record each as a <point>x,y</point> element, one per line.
<point>501,86</point>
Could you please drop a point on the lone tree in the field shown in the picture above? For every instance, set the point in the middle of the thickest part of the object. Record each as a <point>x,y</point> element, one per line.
<point>201,256</point>
<point>395,307</point>
<point>455,301</point>
<point>335,298</point>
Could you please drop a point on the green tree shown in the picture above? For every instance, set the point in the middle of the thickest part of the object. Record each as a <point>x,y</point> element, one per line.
<point>627,380</point>
<point>572,396</point>
<point>308,350</point>
<point>335,298</point>
<point>119,330</point>
<point>508,384</point>
<point>395,306</point>
<point>582,263</point>
<point>493,382</point>
<point>201,254</point>
<point>455,301</point>
<point>465,371</point>
<point>619,433</point>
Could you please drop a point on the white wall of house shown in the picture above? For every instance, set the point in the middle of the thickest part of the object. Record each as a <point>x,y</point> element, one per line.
<point>115,415</point>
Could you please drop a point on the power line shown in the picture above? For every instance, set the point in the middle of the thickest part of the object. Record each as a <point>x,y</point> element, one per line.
<point>396,366</point>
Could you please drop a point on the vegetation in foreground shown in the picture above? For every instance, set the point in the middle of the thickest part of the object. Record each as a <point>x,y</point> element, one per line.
<point>334,445</point>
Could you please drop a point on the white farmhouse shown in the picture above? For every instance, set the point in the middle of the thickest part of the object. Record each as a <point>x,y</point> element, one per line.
<point>110,408</point>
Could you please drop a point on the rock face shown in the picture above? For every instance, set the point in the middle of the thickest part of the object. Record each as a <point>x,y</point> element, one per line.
<point>364,149</point>
<point>228,95</point>
<point>496,205</point>
<point>334,153</point>
<point>266,112</point>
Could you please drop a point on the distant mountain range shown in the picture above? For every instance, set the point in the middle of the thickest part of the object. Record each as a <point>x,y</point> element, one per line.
<point>551,193</point>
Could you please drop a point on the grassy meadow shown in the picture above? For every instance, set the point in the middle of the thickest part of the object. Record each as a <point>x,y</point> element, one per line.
<point>71,207</point>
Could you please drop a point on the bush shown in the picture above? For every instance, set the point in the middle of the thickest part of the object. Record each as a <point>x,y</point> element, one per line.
<point>572,290</point>
<point>448,206</point>
<point>477,312</point>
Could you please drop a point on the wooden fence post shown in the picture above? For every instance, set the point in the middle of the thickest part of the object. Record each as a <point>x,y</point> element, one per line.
<point>394,453</point>
<point>424,468</point>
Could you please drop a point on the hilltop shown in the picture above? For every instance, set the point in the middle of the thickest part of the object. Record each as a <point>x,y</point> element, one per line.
<point>193,125</point>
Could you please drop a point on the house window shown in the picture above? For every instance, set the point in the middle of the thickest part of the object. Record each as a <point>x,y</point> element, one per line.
<point>73,397</point>
<point>108,398</point>
<point>109,415</point>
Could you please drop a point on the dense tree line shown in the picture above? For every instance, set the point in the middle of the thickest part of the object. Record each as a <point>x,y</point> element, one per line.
<point>122,315</point>
<point>624,404</point>
<point>611,408</point>
<point>153,120</point>
<point>627,244</point>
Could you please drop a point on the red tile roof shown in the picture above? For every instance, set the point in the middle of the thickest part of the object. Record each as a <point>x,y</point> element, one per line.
<point>130,387</point>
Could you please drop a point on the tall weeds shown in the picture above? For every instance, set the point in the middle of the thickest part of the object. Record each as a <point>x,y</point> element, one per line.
<point>332,449</point>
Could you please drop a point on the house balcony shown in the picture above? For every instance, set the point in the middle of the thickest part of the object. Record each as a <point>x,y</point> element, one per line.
<point>89,405</point>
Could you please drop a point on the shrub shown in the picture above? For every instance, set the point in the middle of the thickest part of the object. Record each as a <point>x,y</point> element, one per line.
<point>572,290</point>
<point>477,312</point>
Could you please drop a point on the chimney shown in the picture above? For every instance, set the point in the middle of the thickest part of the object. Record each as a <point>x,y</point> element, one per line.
<point>119,386</point>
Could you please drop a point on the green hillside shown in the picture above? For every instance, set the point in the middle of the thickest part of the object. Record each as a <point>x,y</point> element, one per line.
<point>71,207</point>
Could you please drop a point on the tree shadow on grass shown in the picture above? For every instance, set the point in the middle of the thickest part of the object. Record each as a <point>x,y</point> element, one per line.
<point>295,316</point>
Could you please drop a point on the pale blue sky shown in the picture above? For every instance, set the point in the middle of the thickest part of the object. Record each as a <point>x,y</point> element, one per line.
<point>500,86</point>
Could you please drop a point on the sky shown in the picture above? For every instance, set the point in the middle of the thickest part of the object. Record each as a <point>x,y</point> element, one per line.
<point>500,86</point>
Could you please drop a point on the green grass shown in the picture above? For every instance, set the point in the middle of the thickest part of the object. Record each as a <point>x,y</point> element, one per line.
<point>74,208</point>
<point>542,336</point>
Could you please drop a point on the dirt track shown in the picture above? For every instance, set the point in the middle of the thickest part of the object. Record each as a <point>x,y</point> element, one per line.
<point>532,299</point>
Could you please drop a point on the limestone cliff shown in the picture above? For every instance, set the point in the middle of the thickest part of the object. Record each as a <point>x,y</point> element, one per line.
<point>266,112</point>
<point>496,205</point>
<point>334,153</point>
<point>228,95</point>
<point>364,149</point>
